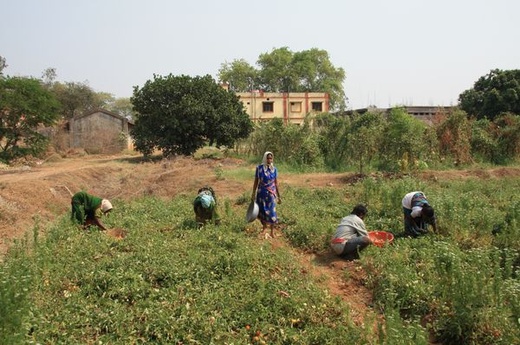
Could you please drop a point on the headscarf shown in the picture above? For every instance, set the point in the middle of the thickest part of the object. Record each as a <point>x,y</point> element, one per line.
<point>264,159</point>
<point>105,205</point>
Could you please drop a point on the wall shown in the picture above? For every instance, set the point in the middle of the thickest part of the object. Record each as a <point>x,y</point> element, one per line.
<point>99,132</point>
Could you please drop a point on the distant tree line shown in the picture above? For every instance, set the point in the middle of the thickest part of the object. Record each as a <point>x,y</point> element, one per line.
<point>179,114</point>
<point>396,142</point>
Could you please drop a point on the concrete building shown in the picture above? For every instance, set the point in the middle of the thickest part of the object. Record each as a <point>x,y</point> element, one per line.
<point>424,113</point>
<point>291,107</point>
<point>100,131</point>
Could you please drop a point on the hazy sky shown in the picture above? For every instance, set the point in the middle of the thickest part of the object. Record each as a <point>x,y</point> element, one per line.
<point>400,52</point>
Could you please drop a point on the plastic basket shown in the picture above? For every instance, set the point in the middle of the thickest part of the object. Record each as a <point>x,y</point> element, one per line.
<point>380,238</point>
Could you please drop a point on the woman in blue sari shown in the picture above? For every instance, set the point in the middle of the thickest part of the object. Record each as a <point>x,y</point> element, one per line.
<point>266,193</point>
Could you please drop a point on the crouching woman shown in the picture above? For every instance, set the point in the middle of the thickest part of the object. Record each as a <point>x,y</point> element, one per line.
<point>351,235</point>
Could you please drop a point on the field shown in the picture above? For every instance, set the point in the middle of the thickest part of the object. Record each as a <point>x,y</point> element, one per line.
<point>35,201</point>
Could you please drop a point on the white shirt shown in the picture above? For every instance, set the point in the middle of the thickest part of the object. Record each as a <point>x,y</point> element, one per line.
<point>407,203</point>
<point>350,226</point>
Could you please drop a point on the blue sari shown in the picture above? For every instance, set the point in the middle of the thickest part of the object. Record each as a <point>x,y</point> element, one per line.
<point>266,193</point>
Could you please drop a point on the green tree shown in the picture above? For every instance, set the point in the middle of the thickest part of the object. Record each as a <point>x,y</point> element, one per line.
<point>180,114</point>
<point>495,93</point>
<point>276,72</point>
<point>403,144</point>
<point>483,142</point>
<point>25,105</point>
<point>282,70</point>
<point>239,74</point>
<point>122,106</point>
<point>333,139</point>
<point>364,136</point>
<point>75,98</point>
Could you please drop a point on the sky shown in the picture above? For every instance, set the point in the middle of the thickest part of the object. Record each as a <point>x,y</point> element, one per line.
<point>400,52</point>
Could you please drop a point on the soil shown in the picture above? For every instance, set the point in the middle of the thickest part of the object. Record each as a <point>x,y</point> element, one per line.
<point>35,193</point>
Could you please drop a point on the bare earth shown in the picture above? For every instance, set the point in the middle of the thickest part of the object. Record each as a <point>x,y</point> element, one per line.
<point>37,194</point>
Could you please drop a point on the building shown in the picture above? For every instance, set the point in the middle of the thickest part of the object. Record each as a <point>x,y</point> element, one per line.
<point>424,113</point>
<point>100,131</point>
<point>291,107</point>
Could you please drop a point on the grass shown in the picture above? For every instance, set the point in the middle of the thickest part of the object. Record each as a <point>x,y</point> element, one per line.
<point>169,283</point>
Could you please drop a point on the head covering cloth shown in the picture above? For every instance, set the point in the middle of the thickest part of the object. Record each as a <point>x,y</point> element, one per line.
<point>105,205</point>
<point>264,159</point>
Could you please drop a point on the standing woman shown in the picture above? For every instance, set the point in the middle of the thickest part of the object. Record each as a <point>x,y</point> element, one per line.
<point>266,193</point>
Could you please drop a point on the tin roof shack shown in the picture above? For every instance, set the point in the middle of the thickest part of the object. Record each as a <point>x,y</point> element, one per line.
<point>100,131</point>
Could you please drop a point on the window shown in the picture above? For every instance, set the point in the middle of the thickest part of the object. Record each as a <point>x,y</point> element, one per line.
<point>316,106</point>
<point>267,107</point>
<point>296,107</point>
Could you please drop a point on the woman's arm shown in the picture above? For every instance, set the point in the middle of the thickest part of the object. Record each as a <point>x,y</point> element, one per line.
<point>277,191</point>
<point>255,186</point>
<point>97,221</point>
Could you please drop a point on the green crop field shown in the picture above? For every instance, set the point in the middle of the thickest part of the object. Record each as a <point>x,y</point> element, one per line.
<point>168,282</point>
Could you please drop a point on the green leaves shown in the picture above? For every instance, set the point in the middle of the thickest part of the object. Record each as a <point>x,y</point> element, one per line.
<point>495,93</point>
<point>180,114</point>
<point>24,105</point>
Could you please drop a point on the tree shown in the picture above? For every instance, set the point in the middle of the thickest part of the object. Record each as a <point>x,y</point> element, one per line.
<point>276,73</point>
<point>455,137</point>
<point>49,75</point>
<point>24,106</point>
<point>403,144</point>
<point>282,70</point>
<point>239,74</point>
<point>3,65</point>
<point>75,98</point>
<point>180,114</point>
<point>333,138</point>
<point>122,106</point>
<point>363,137</point>
<point>493,94</point>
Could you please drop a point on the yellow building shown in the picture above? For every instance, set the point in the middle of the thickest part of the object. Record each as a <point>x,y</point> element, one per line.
<point>292,107</point>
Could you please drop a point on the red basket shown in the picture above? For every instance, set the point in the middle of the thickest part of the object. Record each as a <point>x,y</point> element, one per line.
<point>380,238</point>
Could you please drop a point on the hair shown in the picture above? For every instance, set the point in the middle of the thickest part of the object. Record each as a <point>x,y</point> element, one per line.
<point>427,210</point>
<point>360,210</point>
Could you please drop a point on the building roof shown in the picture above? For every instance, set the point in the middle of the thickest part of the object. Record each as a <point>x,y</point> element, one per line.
<point>104,111</point>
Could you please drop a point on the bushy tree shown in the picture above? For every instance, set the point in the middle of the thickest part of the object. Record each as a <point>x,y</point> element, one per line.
<point>483,142</point>
<point>495,93</point>
<point>290,143</point>
<point>75,98</point>
<point>507,131</point>
<point>180,114</point>
<point>333,138</point>
<point>455,137</point>
<point>25,105</point>
<point>403,144</point>
<point>364,137</point>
